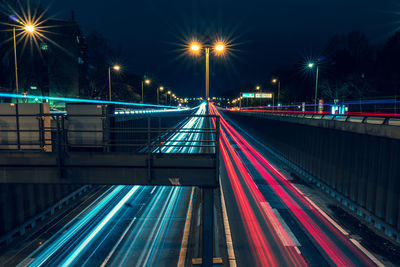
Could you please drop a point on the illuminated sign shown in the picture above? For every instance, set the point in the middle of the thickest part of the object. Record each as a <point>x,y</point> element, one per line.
<point>263,95</point>
<point>248,95</point>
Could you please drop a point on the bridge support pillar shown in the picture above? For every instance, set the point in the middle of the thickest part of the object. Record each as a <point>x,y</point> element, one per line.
<point>207,221</point>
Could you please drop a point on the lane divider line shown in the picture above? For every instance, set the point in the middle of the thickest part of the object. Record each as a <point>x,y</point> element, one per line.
<point>372,257</point>
<point>228,236</point>
<point>186,231</point>
<point>117,244</point>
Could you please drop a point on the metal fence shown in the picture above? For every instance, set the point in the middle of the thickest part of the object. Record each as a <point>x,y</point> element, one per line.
<point>107,133</point>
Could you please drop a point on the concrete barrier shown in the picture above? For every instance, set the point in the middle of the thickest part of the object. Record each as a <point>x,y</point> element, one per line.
<point>356,163</point>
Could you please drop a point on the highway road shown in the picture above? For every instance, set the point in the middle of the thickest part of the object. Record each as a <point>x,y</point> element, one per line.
<point>272,222</point>
<point>268,220</point>
<point>127,225</point>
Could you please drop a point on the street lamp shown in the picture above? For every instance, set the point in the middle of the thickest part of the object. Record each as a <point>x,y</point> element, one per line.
<point>147,82</point>
<point>258,88</point>
<point>311,66</point>
<point>277,81</point>
<point>30,29</point>
<point>219,48</point>
<point>116,68</point>
<point>169,93</point>
<point>159,89</point>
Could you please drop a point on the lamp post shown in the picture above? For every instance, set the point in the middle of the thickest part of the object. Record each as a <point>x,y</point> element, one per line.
<point>258,88</point>
<point>146,81</point>
<point>311,65</point>
<point>159,89</point>
<point>219,48</point>
<point>116,68</point>
<point>277,81</point>
<point>166,97</point>
<point>30,29</point>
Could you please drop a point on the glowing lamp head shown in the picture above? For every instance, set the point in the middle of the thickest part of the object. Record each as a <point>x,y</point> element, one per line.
<point>117,67</point>
<point>219,47</point>
<point>147,81</point>
<point>161,88</point>
<point>169,92</point>
<point>258,87</point>
<point>274,80</point>
<point>195,47</point>
<point>29,28</point>
<point>310,65</point>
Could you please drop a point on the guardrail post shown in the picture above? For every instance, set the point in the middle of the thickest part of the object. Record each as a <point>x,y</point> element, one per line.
<point>149,148</point>
<point>42,130</point>
<point>159,135</point>
<point>60,153</point>
<point>17,124</point>
<point>217,129</point>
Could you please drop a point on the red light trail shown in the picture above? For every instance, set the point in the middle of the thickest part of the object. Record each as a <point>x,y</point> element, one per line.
<point>317,226</point>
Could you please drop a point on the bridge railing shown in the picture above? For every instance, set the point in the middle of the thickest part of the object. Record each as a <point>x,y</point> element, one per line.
<point>359,117</point>
<point>106,133</point>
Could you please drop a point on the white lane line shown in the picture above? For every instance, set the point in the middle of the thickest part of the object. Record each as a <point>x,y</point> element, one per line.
<point>286,228</point>
<point>186,231</point>
<point>152,191</point>
<point>326,216</point>
<point>366,252</point>
<point>69,260</point>
<point>276,225</point>
<point>117,244</point>
<point>228,235</point>
<point>337,226</point>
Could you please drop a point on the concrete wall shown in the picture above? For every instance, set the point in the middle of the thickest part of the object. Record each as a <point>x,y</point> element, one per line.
<point>21,202</point>
<point>359,163</point>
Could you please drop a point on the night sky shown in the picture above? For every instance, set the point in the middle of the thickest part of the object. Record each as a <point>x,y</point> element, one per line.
<point>265,34</point>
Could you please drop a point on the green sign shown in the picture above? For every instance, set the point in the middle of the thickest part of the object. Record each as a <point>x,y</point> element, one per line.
<point>248,95</point>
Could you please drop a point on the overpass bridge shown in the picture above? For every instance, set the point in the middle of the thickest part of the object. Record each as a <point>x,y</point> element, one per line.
<point>261,206</point>
<point>105,146</point>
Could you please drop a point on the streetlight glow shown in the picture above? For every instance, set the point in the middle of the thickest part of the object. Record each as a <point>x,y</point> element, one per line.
<point>29,28</point>
<point>161,88</point>
<point>117,67</point>
<point>195,47</point>
<point>274,80</point>
<point>310,65</point>
<point>258,88</point>
<point>147,81</point>
<point>220,47</point>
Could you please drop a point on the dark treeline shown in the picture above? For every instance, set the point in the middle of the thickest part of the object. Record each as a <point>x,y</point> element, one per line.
<point>350,67</point>
<point>126,85</point>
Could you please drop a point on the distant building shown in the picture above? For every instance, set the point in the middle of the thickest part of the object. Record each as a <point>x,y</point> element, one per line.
<point>56,65</point>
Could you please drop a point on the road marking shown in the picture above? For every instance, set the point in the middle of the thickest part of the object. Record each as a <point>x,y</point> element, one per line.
<point>152,191</point>
<point>366,252</point>
<point>116,245</point>
<point>326,216</point>
<point>186,231</point>
<point>344,232</point>
<point>286,228</point>
<point>199,261</point>
<point>277,226</point>
<point>228,236</point>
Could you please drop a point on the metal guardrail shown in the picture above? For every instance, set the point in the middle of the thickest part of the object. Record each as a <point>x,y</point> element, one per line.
<point>63,133</point>
<point>369,118</point>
